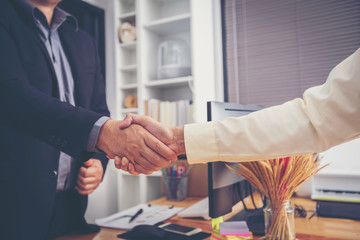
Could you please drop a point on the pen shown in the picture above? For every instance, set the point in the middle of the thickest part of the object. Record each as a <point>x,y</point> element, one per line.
<point>136,215</point>
<point>181,170</point>
<point>173,171</point>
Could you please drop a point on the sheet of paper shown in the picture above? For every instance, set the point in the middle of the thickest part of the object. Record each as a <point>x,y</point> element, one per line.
<point>151,215</point>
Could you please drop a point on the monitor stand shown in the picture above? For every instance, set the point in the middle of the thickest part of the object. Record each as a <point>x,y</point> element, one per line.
<point>254,219</point>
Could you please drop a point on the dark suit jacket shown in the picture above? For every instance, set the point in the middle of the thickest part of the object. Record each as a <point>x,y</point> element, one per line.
<point>35,126</point>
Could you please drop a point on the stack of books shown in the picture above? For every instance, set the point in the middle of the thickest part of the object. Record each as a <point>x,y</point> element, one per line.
<point>177,113</point>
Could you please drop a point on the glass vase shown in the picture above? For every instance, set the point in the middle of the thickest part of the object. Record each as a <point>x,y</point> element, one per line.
<point>279,221</point>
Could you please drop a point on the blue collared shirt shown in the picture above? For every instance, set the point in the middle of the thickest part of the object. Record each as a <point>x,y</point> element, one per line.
<point>50,37</point>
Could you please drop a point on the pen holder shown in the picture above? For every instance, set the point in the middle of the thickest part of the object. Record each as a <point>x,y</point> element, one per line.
<point>176,187</point>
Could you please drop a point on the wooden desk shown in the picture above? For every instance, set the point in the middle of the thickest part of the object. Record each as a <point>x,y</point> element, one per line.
<point>318,228</point>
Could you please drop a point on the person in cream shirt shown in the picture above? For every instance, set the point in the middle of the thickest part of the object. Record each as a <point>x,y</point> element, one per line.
<point>326,116</point>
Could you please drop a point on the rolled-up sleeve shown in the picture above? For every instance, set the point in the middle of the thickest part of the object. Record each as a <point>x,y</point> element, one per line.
<point>326,116</point>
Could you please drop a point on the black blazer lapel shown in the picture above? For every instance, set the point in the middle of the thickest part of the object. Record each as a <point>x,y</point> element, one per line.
<point>55,87</point>
<point>78,57</point>
<point>32,32</point>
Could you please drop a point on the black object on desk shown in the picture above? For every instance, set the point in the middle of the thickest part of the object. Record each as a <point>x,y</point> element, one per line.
<point>150,232</point>
<point>338,209</point>
<point>254,219</point>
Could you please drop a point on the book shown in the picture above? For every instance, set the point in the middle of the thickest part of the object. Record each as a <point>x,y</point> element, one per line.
<point>175,113</point>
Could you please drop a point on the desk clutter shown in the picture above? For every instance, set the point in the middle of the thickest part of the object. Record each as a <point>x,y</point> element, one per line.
<point>221,230</point>
<point>176,182</point>
<point>338,209</point>
<point>199,209</point>
<point>141,214</point>
<point>155,233</point>
<point>278,179</point>
<point>235,229</point>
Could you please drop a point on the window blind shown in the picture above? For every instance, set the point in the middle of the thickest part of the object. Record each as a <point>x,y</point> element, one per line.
<point>275,50</point>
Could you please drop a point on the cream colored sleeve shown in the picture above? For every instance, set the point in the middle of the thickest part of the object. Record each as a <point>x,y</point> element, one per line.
<point>326,116</point>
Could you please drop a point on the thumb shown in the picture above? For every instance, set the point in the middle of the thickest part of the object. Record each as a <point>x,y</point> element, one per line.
<point>127,121</point>
<point>88,163</point>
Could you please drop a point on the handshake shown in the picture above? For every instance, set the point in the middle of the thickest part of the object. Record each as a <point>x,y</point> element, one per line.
<point>139,144</point>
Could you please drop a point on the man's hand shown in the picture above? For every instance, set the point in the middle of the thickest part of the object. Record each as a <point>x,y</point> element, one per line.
<point>124,164</point>
<point>173,137</point>
<point>89,177</point>
<point>136,144</point>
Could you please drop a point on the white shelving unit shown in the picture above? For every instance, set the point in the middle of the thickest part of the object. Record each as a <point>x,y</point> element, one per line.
<point>129,86</point>
<point>165,83</point>
<point>135,70</point>
<point>156,20</point>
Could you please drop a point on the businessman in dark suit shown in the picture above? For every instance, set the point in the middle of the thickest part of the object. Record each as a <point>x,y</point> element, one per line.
<point>54,127</point>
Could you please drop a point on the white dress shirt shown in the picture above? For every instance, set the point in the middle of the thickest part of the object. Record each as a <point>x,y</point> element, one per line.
<point>326,116</point>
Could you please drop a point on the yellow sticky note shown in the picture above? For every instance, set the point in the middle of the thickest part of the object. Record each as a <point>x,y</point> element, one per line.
<point>215,222</point>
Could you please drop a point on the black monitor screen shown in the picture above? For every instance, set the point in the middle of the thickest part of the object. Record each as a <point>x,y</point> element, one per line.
<point>225,187</point>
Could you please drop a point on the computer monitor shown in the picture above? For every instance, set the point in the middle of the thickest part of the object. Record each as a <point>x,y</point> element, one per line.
<point>225,187</point>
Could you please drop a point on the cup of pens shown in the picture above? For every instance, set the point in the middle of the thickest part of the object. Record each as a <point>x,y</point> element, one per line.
<point>176,182</point>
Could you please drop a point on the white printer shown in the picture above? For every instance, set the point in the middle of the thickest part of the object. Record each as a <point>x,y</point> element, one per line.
<point>336,188</point>
<point>340,181</point>
<point>337,185</point>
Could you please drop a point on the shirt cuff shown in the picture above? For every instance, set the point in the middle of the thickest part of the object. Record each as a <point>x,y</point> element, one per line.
<point>94,134</point>
<point>200,143</point>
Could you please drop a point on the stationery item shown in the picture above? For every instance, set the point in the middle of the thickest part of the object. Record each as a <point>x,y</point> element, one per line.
<point>150,215</point>
<point>176,187</point>
<point>136,215</point>
<point>239,229</point>
<point>218,227</point>
<point>217,236</point>
<point>176,182</point>
<point>180,171</point>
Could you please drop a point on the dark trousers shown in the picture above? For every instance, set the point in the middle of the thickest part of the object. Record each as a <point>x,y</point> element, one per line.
<point>67,216</point>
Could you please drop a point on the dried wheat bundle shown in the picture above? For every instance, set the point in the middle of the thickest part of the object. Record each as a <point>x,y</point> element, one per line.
<point>278,179</point>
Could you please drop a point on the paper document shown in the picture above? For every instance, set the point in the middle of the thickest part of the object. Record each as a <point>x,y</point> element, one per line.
<point>151,215</point>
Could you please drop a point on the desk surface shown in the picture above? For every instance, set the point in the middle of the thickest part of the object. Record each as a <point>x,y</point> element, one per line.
<point>318,228</point>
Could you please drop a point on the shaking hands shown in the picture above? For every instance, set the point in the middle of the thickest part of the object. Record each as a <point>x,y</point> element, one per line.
<point>139,144</point>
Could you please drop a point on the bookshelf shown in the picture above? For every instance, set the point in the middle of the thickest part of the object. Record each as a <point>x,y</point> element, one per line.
<point>131,69</point>
<point>136,64</point>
